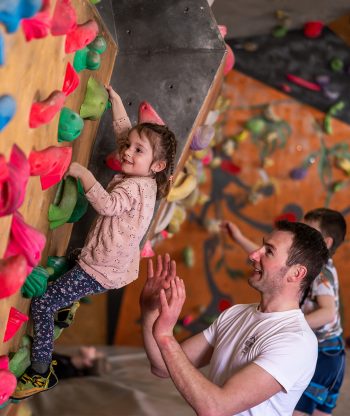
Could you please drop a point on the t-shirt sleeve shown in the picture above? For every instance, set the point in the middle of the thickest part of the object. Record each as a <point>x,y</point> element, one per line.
<point>322,286</point>
<point>210,333</point>
<point>287,357</point>
<point>120,199</point>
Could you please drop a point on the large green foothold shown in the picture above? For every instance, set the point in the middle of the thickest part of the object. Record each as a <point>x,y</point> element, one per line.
<point>98,45</point>
<point>57,266</point>
<point>36,283</point>
<point>20,360</point>
<point>70,125</point>
<point>81,205</point>
<point>63,205</point>
<point>95,101</point>
<point>86,59</point>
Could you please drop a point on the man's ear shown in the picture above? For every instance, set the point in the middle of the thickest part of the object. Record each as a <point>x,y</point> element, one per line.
<point>298,273</point>
<point>158,166</point>
<point>328,241</point>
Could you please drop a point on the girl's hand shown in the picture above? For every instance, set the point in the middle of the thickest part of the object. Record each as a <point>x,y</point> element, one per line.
<point>112,94</point>
<point>76,170</point>
<point>232,230</point>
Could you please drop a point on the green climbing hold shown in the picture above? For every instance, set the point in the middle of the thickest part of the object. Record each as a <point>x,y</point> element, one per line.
<point>57,266</point>
<point>86,59</point>
<point>98,45</point>
<point>279,31</point>
<point>81,206</point>
<point>188,256</point>
<point>63,205</point>
<point>256,125</point>
<point>36,283</point>
<point>70,125</point>
<point>337,65</point>
<point>95,100</point>
<point>20,360</point>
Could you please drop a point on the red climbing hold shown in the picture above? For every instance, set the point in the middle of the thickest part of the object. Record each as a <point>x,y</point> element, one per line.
<point>38,27</point>
<point>303,82</point>
<point>14,181</point>
<point>147,114</point>
<point>64,19</point>
<point>25,240</point>
<point>71,80</point>
<point>4,171</point>
<point>81,36</point>
<point>14,322</point>
<point>8,380</point>
<point>50,164</point>
<point>313,29</point>
<point>42,112</point>
<point>13,273</point>
<point>113,162</point>
<point>229,167</point>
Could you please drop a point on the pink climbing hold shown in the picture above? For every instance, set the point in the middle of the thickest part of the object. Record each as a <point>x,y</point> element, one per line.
<point>8,380</point>
<point>81,36</point>
<point>113,162</point>
<point>25,240</point>
<point>64,19</point>
<point>147,250</point>
<point>50,164</point>
<point>4,170</point>
<point>147,114</point>
<point>38,26</point>
<point>14,322</point>
<point>42,112</point>
<point>14,181</point>
<point>230,59</point>
<point>13,273</point>
<point>71,80</point>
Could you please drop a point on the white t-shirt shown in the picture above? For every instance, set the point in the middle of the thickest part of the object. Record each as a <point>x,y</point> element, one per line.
<point>282,343</point>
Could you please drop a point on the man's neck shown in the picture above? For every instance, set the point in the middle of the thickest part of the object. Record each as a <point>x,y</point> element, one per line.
<point>270,304</point>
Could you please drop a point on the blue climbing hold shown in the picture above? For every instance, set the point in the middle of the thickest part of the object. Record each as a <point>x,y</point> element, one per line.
<point>12,11</point>
<point>2,50</point>
<point>7,110</point>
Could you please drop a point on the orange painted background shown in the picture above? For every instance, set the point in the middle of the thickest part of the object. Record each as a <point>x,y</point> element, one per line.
<point>253,211</point>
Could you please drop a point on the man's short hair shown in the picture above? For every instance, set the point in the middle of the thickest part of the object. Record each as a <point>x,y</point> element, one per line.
<point>308,249</point>
<point>332,224</point>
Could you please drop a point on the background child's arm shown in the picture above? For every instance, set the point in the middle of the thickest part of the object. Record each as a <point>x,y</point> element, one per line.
<point>78,171</point>
<point>324,314</point>
<point>236,235</point>
<point>121,122</point>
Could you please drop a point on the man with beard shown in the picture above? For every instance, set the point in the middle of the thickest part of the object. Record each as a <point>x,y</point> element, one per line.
<point>261,356</point>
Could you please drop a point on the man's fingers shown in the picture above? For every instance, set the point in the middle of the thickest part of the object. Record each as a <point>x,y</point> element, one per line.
<point>163,300</point>
<point>159,265</point>
<point>150,269</point>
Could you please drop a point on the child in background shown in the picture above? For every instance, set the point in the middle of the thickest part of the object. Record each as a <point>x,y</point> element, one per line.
<point>110,256</point>
<point>320,304</point>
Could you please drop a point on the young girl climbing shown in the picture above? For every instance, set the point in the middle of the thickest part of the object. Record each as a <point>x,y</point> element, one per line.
<point>110,256</point>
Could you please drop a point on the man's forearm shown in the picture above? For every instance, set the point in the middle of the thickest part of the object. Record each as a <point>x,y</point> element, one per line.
<point>155,358</point>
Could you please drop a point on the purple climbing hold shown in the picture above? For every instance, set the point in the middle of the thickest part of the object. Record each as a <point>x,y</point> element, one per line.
<point>7,110</point>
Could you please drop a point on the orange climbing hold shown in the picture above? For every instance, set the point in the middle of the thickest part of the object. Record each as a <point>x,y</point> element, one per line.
<point>50,164</point>
<point>42,112</point>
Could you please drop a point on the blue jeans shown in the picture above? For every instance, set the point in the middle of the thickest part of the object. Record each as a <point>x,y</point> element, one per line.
<point>70,287</point>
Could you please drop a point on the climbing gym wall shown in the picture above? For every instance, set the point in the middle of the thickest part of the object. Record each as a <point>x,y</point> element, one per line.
<point>55,58</point>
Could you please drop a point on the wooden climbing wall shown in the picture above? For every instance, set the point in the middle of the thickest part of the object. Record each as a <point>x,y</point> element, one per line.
<point>252,196</point>
<point>32,70</point>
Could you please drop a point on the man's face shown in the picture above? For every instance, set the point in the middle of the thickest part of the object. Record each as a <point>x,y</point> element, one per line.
<point>269,262</point>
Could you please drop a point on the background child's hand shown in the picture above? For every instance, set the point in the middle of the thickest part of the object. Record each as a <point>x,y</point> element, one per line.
<point>232,230</point>
<point>76,170</point>
<point>112,94</point>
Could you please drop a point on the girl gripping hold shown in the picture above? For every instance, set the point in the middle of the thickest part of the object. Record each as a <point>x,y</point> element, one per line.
<point>110,256</point>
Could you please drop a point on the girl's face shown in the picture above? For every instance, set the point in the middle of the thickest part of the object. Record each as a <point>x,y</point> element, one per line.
<point>137,158</point>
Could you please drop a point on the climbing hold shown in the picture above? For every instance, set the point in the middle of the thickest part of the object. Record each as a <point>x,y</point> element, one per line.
<point>286,216</point>
<point>81,36</point>
<point>25,240</point>
<point>20,360</point>
<point>333,111</point>
<point>64,19</point>
<point>11,12</point>
<point>81,206</point>
<point>188,256</point>
<point>4,170</point>
<point>337,64</point>
<point>12,189</point>
<point>36,283</point>
<point>313,29</point>
<point>183,189</point>
<point>323,80</point>
<point>7,110</point>
<point>256,125</point>
<point>202,137</point>
<point>298,173</point>
<point>147,114</point>
<point>71,80</point>
<point>63,205</point>
<point>86,59</point>
<point>64,317</point>
<point>147,250</point>
<point>2,50</point>
<point>13,272</point>
<point>14,322</point>
<point>229,167</point>
<point>50,164</point>
<point>38,26</point>
<point>224,304</point>
<point>70,125</point>
<point>301,82</point>
<point>113,162</point>
<point>8,381</point>
<point>42,112</point>
<point>230,58</point>
<point>98,45</point>
<point>280,31</point>
<point>95,100</point>
<point>57,266</point>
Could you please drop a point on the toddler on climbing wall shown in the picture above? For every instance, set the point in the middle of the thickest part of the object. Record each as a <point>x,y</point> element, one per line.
<point>110,256</point>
